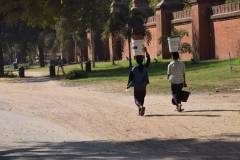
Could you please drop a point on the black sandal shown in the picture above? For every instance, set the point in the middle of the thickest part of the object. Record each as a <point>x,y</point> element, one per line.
<point>142,111</point>
<point>139,111</point>
<point>179,108</point>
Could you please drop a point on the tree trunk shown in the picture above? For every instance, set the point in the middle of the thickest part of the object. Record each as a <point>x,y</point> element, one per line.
<point>76,56</point>
<point>1,57</point>
<point>92,48</point>
<point>41,56</point>
<point>113,63</point>
<point>129,54</point>
<point>1,61</point>
<point>81,58</point>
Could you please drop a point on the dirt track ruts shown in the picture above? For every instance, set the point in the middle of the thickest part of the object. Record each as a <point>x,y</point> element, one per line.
<point>88,124</point>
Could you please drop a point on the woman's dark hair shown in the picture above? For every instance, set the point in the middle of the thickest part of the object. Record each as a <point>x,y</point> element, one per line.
<point>139,59</point>
<point>175,55</point>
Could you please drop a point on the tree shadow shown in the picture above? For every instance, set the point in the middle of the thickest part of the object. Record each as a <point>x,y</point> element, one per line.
<point>31,79</point>
<point>217,110</point>
<point>180,115</point>
<point>194,115</point>
<point>144,149</point>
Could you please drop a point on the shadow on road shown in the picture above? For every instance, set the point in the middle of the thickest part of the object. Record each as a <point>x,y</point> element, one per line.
<point>180,115</point>
<point>217,110</point>
<point>36,79</point>
<point>145,149</point>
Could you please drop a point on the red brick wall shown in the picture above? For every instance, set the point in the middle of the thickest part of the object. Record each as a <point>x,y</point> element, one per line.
<point>152,47</point>
<point>101,50</point>
<point>186,39</point>
<point>226,30</point>
<point>70,53</point>
<point>213,31</point>
<point>227,38</point>
<point>125,50</point>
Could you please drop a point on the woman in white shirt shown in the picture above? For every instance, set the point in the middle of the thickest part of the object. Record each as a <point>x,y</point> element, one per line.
<point>176,75</point>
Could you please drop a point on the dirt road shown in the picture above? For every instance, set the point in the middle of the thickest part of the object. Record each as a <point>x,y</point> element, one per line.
<point>42,118</point>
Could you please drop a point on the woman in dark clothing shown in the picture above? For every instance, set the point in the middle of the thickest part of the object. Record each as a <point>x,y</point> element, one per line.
<point>176,75</point>
<point>138,78</point>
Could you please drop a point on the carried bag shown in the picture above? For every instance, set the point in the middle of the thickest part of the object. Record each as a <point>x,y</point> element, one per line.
<point>184,96</point>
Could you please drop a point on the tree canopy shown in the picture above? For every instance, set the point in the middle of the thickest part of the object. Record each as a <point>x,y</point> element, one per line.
<point>82,13</point>
<point>126,24</point>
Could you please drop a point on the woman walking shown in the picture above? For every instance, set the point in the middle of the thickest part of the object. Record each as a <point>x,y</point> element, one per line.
<point>138,78</point>
<point>176,75</point>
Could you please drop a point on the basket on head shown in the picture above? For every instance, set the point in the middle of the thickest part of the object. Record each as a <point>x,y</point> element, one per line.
<point>174,43</point>
<point>137,47</point>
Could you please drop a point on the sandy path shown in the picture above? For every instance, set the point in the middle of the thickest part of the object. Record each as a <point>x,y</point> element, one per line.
<point>91,124</point>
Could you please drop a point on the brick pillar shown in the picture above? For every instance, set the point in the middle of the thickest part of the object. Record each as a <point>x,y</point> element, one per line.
<point>142,5</point>
<point>163,21</point>
<point>114,40</point>
<point>201,29</point>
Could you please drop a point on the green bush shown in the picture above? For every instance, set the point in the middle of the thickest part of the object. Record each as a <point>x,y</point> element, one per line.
<point>76,74</point>
<point>8,74</point>
<point>231,1</point>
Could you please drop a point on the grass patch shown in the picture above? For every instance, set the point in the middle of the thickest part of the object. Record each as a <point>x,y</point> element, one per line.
<point>203,76</point>
<point>8,74</point>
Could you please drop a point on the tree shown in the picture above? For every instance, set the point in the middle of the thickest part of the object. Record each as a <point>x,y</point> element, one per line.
<point>22,36</point>
<point>131,23</point>
<point>84,13</point>
<point>90,15</point>
<point>67,34</point>
<point>36,12</point>
<point>51,44</point>
<point>111,29</point>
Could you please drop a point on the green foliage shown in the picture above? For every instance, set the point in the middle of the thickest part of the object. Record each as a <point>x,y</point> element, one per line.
<point>36,12</point>
<point>184,47</point>
<point>76,74</point>
<point>231,1</point>
<point>77,14</point>
<point>187,4</point>
<point>125,24</point>
<point>154,3</point>
<point>19,40</point>
<point>179,32</point>
<point>136,22</point>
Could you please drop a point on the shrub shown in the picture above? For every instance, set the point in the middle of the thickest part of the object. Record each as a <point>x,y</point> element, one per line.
<point>76,74</point>
<point>8,74</point>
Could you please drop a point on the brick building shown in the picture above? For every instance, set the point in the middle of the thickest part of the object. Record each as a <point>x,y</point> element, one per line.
<point>213,27</point>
